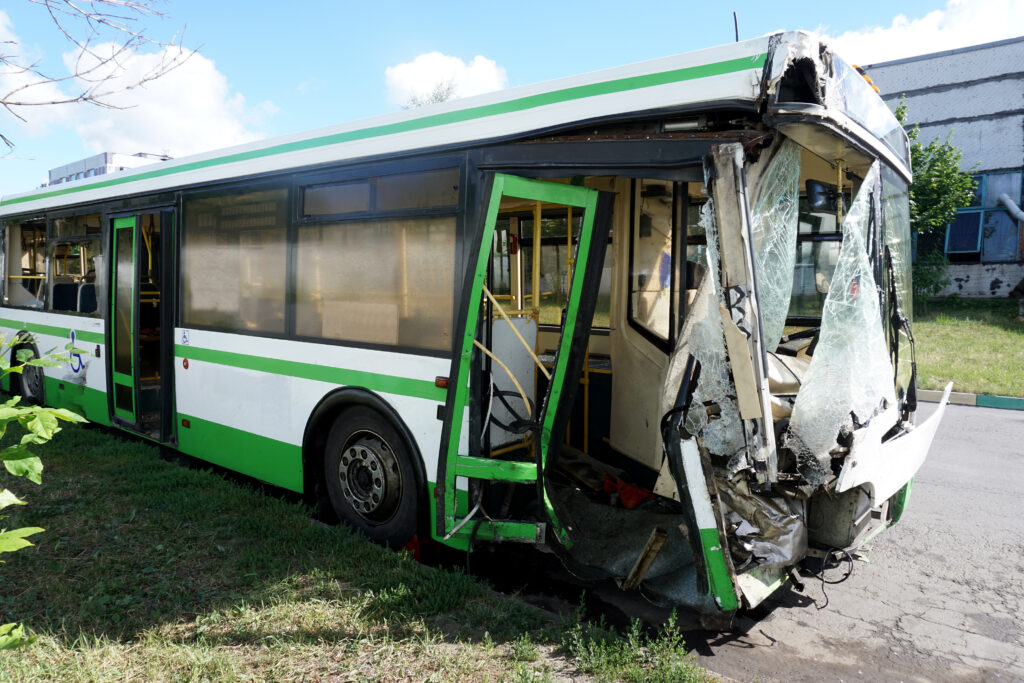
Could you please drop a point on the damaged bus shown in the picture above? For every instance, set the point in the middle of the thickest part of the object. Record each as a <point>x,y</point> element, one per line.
<point>655,320</point>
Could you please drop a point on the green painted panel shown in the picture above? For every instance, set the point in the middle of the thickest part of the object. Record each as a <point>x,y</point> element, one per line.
<point>65,332</point>
<point>388,384</point>
<point>461,398</point>
<point>501,530</point>
<point>497,470</point>
<point>900,500</point>
<point>88,402</point>
<point>269,460</point>
<point>461,507</point>
<point>588,200</point>
<point>718,572</point>
<point>430,121</point>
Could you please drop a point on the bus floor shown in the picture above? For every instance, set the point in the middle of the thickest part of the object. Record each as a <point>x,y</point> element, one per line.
<point>619,524</point>
<point>149,408</point>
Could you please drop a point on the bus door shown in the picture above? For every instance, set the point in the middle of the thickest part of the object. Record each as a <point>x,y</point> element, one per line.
<point>139,323</point>
<point>484,362</point>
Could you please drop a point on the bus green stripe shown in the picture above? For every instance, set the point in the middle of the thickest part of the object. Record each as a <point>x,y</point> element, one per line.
<point>266,459</point>
<point>54,331</point>
<point>431,121</point>
<point>387,384</point>
<point>718,574</point>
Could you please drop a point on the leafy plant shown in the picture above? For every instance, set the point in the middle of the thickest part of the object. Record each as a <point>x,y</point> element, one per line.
<point>929,276</point>
<point>939,189</point>
<point>40,424</point>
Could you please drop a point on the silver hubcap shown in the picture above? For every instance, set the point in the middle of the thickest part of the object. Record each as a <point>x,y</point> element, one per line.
<point>370,478</point>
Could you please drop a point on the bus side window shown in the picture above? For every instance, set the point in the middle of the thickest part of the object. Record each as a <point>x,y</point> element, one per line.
<point>375,260</point>
<point>25,261</point>
<point>234,252</point>
<point>74,247</point>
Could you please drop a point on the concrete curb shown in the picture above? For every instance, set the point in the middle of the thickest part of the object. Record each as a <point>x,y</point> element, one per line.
<point>964,399</point>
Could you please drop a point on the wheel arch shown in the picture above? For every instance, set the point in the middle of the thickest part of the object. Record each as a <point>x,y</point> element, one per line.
<point>314,438</point>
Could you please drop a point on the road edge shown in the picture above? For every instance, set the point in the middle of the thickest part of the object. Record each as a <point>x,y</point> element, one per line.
<point>967,399</point>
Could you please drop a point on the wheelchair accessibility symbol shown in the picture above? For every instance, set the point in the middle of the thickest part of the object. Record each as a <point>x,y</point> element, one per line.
<point>75,358</point>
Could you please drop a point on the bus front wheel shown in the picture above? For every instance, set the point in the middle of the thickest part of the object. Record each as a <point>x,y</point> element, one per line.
<point>370,478</point>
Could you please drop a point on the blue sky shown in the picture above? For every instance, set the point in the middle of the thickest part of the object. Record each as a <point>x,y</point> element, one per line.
<point>270,68</point>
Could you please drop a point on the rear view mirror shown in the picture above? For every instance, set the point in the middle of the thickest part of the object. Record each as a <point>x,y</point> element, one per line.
<point>821,196</point>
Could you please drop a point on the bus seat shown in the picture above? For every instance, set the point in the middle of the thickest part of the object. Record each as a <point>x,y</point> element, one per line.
<point>87,298</point>
<point>65,296</point>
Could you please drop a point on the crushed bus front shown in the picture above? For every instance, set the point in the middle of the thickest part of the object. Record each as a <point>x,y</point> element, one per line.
<point>770,416</point>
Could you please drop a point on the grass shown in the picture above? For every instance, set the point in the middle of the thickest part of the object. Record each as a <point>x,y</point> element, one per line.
<point>977,344</point>
<point>151,570</point>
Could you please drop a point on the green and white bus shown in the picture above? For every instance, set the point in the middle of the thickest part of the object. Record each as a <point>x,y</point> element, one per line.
<point>653,319</point>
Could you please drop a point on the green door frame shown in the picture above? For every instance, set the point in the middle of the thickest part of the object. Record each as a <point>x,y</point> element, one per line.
<point>453,463</point>
<point>120,379</point>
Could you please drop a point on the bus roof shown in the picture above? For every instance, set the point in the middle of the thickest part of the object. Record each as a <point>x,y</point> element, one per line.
<point>735,74</point>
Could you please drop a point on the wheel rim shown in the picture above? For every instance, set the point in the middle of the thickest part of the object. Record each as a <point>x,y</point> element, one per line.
<point>32,382</point>
<point>370,478</point>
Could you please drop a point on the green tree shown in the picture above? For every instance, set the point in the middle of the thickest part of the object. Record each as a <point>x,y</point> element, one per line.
<point>40,425</point>
<point>938,190</point>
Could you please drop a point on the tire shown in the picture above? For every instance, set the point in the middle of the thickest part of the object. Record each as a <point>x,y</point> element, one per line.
<point>370,477</point>
<point>29,384</point>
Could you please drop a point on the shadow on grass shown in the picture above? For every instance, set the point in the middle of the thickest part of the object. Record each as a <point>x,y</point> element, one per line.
<point>1001,313</point>
<point>135,543</point>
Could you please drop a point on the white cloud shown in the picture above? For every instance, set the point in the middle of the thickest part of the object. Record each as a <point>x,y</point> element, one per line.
<point>418,79</point>
<point>189,109</point>
<point>960,24</point>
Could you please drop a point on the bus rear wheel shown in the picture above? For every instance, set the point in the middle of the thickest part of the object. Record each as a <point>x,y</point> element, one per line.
<point>370,478</point>
<point>29,383</point>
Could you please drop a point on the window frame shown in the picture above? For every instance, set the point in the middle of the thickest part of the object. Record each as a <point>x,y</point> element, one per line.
<point>982,209</point>
<point>332,176</point>
<point>235,188</point>
<point>680,240</point>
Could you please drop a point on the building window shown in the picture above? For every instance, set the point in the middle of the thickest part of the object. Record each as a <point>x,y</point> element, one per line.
<point>985,231</point>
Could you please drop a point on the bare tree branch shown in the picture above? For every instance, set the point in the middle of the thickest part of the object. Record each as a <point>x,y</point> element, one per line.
<point>104,35</point>
<point>442,92</point>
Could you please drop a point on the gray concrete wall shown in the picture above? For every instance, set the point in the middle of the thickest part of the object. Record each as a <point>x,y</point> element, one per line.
<point>983,280</point>
<point>975,93</point>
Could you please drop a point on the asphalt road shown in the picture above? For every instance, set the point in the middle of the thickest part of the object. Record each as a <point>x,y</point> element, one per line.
<point>942,595</point>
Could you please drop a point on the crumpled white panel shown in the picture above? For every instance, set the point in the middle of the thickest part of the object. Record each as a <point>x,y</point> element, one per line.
<point>773,223</point>
<point>850,378</point>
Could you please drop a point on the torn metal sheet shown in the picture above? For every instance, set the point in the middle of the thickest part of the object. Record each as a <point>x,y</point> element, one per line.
<point>851,345</point>
<point>768,532</point>
<point>887,466</point>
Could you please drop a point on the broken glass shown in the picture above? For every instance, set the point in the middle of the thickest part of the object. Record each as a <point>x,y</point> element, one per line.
<point>850,378</point>
<point>773,222</point>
